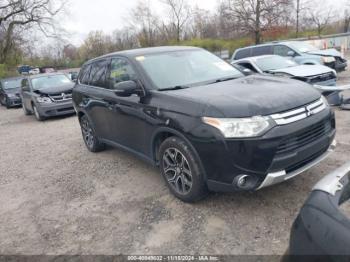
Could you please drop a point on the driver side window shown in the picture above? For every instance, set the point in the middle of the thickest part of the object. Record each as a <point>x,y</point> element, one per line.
<point>25,85</point>
<point>120,71</point>
<point>281,50</point>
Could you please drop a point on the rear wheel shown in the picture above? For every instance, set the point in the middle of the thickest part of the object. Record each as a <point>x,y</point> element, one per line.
<point>7,103</point>
<point>181,170</point>
<point>91,141</point>
<point>37,114</point>
<point>3,100</point>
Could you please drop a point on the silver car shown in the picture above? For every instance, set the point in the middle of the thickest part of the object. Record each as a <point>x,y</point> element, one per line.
<point>283,66</point>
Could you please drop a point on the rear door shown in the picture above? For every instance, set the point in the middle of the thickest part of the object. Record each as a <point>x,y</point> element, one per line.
<point>94,97</point>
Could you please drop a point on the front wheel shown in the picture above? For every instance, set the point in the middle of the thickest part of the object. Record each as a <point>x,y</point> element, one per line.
<point>91,140</point>
<point>181,170</point>
<point>37,114</point>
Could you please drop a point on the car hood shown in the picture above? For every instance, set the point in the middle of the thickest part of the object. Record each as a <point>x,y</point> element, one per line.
<point>248,96</point>
<point>12,90</point>
<point>56,89</point>
<point>326,52</point>
<point>304,70</point>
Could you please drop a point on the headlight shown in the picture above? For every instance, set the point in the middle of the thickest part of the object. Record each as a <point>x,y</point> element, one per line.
<point>239,127</point>
<point>11,95</point>
<point>43,99</point>
<point>328,59</point>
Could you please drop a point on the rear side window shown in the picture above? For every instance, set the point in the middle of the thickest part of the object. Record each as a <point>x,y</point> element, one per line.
<point>243,53</point>
<point>24,83</point>
<point>85,74</point>
<point>262,50</point>
<point>98,73</point>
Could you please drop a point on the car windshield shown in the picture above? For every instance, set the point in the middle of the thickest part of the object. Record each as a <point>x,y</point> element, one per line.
<point>186,68</point>
<point>50,81</point>
<point>11,84</point>
<point>303,47</point>
<point>274,62</point>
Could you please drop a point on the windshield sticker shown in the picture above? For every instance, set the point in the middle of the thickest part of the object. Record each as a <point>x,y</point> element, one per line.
<point>223,66</point>
<point>140,58</point>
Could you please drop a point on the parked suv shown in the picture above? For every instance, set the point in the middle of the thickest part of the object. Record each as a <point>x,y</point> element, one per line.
<point>9,92</point>
<point>47,95</point>
<point>301,52</point>
<point>201,121</point>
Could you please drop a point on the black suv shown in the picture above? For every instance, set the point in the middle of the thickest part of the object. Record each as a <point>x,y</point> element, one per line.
<point>201,121</point>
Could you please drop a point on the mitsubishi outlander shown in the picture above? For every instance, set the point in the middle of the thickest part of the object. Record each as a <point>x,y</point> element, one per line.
<point>201,121</point>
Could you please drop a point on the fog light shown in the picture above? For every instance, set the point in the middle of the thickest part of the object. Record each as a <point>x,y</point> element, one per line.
<point>242,181</point>
<point>245,182</point>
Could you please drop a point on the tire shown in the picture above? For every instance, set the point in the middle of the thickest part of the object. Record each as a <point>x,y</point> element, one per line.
<point>25,110</point>
<point>91,141</point>
<point>182,171</point>
<point>3,101</point>
<point>7,103</point>
<point>37,114</point>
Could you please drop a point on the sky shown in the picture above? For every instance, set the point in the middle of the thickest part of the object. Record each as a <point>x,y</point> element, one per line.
<point>108,15</point>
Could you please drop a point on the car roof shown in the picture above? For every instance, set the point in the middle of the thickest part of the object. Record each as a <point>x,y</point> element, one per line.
<point>43,75</point>
<point>287,43</point>
<point>254,58</point>
<point>146,51</point>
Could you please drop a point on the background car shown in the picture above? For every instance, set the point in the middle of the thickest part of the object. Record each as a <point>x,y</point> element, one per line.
<point>10,92</point>
<point>301,52</point>
<point>47,95</point>
<point>321,231</point>
<point>282,66</point>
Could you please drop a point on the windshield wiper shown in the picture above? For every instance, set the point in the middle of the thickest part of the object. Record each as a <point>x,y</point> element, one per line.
<point>224,79</point>
<point>174,88</point>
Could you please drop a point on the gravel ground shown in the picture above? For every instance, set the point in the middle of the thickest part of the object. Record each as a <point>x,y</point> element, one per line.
<point>57,198</point>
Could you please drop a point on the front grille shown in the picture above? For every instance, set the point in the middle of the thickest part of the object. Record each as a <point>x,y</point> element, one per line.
<point>61,97</point>
<point>299,113</point>
<point>305,137</point>
<point>306,161</point>
<point>321,78</point>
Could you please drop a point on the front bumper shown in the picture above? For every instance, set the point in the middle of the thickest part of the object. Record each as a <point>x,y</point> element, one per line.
<point>280,154</point>
<point>56,109</point>
<point>281,176</point>
<point>338,65</point>
<point>14,101</point>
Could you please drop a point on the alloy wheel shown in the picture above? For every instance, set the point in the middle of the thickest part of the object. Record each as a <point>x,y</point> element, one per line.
<point>36,113</point>
<point>177,171</point>
<point>88,133</point>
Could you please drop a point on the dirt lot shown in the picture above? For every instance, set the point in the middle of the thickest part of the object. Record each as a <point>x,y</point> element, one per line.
<point>57,198</point>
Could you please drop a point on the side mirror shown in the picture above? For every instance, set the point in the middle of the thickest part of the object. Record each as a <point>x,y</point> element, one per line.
<point>127,88</point>
<point>291,53</point>
<point>247,72</point>
<point>25,88</point>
